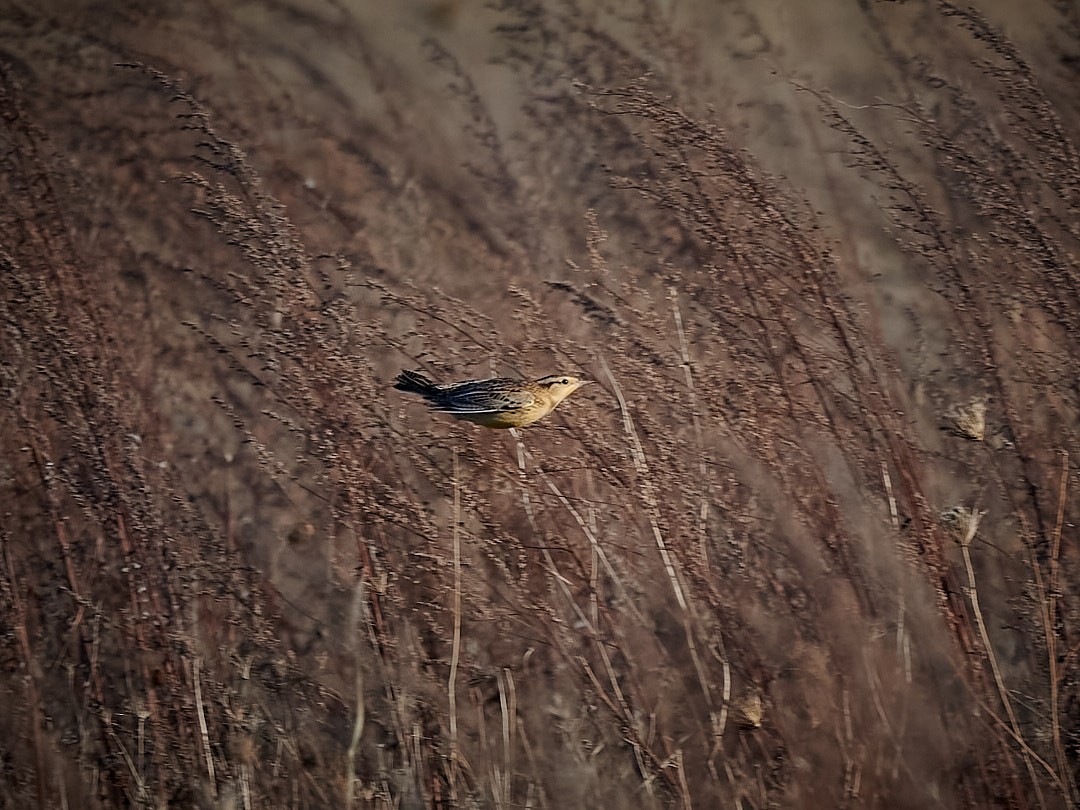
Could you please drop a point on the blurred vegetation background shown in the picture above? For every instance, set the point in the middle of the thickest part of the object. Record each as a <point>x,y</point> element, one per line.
<point>810,541</point>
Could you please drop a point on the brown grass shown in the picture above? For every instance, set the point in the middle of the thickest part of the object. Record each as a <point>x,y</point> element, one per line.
<point>238,571</point>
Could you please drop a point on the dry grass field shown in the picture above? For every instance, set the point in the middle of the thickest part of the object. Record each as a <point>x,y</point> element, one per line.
<point>809,541</point>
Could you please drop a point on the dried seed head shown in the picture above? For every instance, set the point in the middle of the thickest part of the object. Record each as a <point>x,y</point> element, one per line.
<point>750,711</point>
<point>961,523</point>
<point>969,421</point>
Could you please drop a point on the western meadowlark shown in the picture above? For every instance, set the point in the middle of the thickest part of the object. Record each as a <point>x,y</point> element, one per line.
<point>495,403</point>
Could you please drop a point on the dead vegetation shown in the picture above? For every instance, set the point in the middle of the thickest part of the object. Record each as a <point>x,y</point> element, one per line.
<point>239,572</point>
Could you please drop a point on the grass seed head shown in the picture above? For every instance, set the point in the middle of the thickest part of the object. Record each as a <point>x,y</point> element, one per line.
<point>969,421</point>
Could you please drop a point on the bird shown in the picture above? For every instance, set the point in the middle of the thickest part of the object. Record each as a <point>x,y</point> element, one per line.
<point>498,402</point>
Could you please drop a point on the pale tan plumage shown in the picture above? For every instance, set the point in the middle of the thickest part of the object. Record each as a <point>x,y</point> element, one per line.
<point>499,402</point>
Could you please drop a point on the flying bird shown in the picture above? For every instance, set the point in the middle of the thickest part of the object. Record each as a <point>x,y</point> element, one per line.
<point>499,402</point>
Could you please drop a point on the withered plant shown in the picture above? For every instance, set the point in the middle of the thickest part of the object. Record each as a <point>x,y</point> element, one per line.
<point>239,571</point>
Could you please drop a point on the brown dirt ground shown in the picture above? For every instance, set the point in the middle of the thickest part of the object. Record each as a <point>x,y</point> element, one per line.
<point>823,260</point>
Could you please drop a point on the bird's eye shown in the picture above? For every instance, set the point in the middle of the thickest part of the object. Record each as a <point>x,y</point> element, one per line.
<point>564,381</point>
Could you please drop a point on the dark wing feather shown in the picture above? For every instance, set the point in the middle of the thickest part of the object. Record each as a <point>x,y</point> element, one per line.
<point>483,396</point>
<point>415,383</point>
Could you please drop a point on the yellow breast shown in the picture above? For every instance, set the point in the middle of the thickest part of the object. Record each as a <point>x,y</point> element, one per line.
<point>519,417</point>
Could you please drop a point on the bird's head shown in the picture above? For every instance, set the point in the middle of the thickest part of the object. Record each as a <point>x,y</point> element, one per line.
<point>560,386</point>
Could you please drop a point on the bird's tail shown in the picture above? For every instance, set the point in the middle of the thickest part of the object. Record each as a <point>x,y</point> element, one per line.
<point>414,382</point>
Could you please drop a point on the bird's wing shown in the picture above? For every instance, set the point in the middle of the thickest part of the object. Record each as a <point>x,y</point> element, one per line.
<point>481,399</point>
